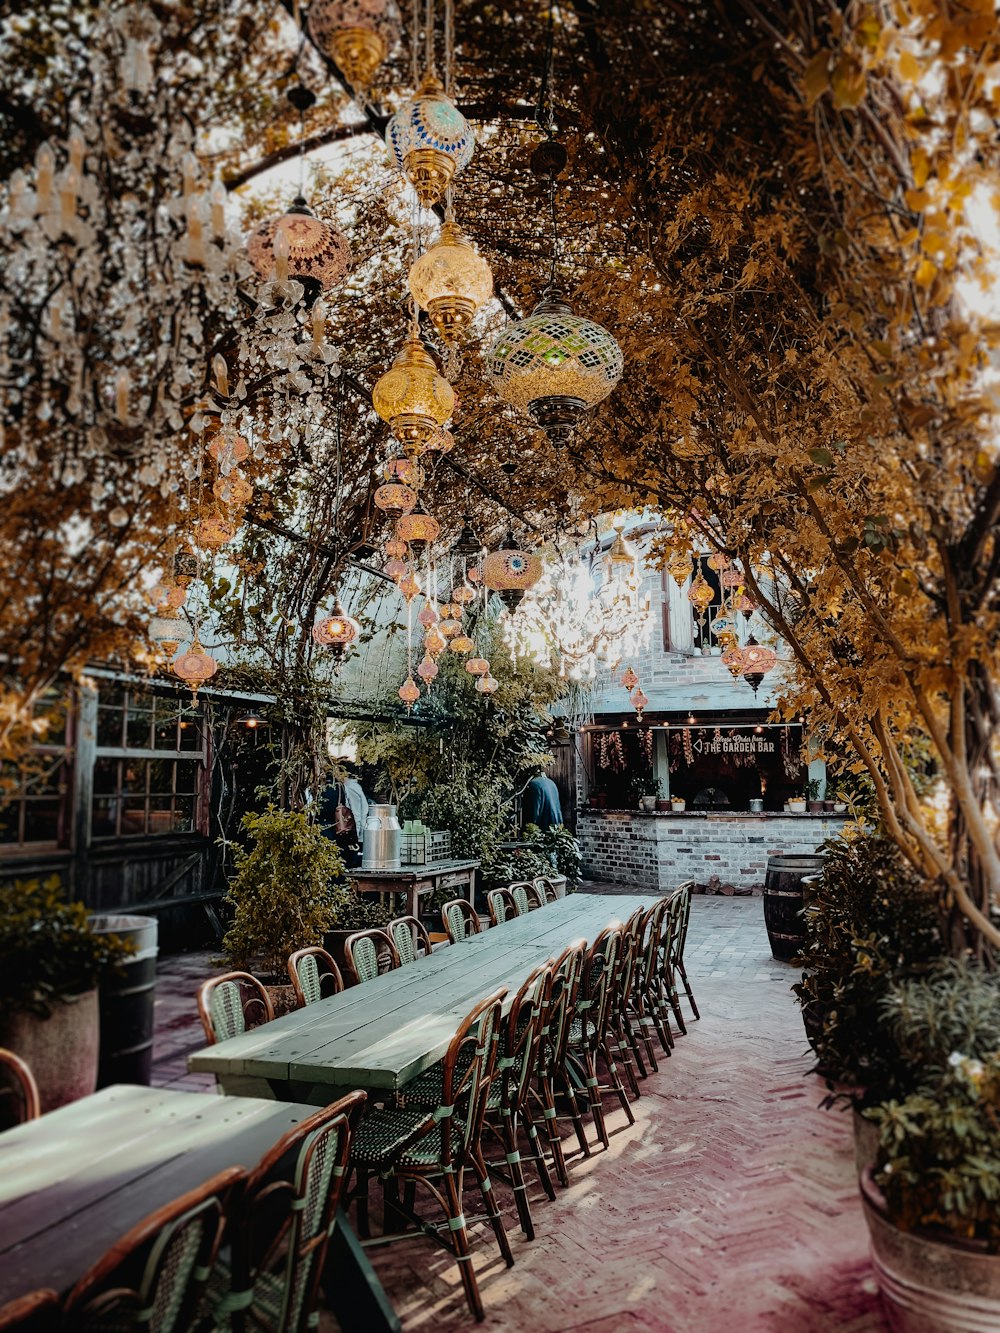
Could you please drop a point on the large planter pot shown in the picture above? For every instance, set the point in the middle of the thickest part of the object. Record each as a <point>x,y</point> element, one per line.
<point>784,900</point>
<point>558,883</point>
<point>125,998</point>
<point>865,1142</point>
<point>930,1285</point>
<point>61,1050</point>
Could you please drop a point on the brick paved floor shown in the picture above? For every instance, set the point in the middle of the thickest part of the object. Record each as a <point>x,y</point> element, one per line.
<point>731,1202</point>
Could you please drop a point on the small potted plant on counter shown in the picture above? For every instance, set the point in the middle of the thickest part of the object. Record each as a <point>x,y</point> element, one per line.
<point>813,788</point>
<point>648,800</point>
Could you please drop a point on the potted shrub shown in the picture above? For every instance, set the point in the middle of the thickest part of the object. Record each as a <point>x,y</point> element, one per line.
<point>931,1202</point>
<point>815,804</point>
<point>356,911</point>
<point>562,852</point>
<point>287,890</point>
<point>53,960</point>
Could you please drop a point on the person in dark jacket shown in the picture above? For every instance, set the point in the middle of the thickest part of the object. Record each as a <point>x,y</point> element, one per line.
<point>540,804</point>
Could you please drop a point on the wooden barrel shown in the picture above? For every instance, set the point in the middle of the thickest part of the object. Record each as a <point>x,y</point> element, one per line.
<point>783,901</point>
<point>126,1003</point>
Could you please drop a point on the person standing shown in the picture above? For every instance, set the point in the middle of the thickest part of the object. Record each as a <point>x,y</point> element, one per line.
<point>541,804</point>
<point>343,811</point>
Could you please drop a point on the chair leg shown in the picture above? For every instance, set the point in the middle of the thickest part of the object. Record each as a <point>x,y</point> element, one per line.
<point>687,987</point>
<point>633,1043</point>
<point>460,1242</point>
<point>513,1159</point>
<point>594,1098</point>
<point>552,1130</point>
<point>574,1111</point>
<point>364,1226</point>
<point>537,1156</point>
<point>638,1033</point>
<point>615,1081</point>
<point>492,1207</point>
<point>625,1053</point>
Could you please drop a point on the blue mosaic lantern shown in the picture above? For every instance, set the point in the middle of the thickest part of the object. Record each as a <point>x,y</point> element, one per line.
<point>430,141</point>
<point>554,365</point>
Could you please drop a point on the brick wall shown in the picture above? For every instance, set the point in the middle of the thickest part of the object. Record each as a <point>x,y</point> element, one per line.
<point>725,853</point>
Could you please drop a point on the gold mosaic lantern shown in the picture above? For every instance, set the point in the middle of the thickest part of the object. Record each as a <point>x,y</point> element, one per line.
<point>395,499</point>
<point>451,280</point>
<point>461,643</point>
<point>195,666</point>
<point>630,678</point>
<point>418,528</point>
<point>412,397</point>
<point>169,632</point>
<point>430,141</point>
<point>357,35</point>
<point>477,666</point>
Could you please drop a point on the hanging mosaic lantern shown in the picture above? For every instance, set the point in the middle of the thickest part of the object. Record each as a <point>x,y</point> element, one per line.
<point>409,586</point>
<point>451,280</point>
<point>195,666</point>
<point>680,567</point>
<point>466,543</point>
<point>510,568</point>
<point>487,684</point>
<point>169,632</point>
<point>477,666</point>
<point>430,141</point>
<point>227,449</point>
<point>452,625</point>
<point>406,470</point>
<point>428,615</point>
<point>412,397</point>
<point>214,531</point>
<point>630,678</point>
<point>167,597</point>
<point>434,641</point>
<point>732,659</point>
<point>409,692</point>
<point>395,499</point>
<point>233,490</point>
<point>639,701</point>
<point>301,246</point>
<point>474,574</point>
<point>554,365</point>
<point>621,559</point>
<point>428,669</point>
<point>758,660</point>
<point>337,631</point>
<point>357,35</point>
<point>461,643</point>
<point>718,561</point>
<point>185,567</point>
<point>700,595</point>
<point>741,602</point>
<point>396,568</point>
<point>395,547</point>
<point>418,529</point>
<point>731,578</point>
<point>463,595</point>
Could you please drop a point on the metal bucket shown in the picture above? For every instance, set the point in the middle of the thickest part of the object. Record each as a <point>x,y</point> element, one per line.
<point>126,1003</point>
<point>382,836</point>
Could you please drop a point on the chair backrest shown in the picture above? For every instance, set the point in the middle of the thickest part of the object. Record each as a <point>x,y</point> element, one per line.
<point>523,893</point>
<point>654,924</point>
<point>410,937</point>
<point>368,953</point>
<point>520,1034</point>
<point>546,888</point>
<point>682,898</point>
<point>19,1100</point>
<point>460,920</point>
<point>153,1278</point>
<point>314,976</point>
<point>502,906</point>
<point>287,1211</point>
<point>37,1312</point>
<point>233,1003</point>
<point>559,1007</point>
<point>597,985</point>
<point>465,1080</point>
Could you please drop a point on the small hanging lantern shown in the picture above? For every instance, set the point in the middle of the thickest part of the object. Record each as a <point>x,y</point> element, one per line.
<point>461,643</point>
<point>185,567</point>
<point>466,543</point>
<point>510,568</point>
<point>621,559</point>
<point>680,567</point>
<point>718,561</point>
<point>434,641</point>
<point>639,701</point>
<point>452,625</point>
<point>409,586</point>
<point>731,578</point>
<point>233,490</point>
<point>741,602</point>
<point>395,499</point>
<point>195,666</point>
<point>463,595</point>
<point>630,678</point>
<point>409,692</point>
<point>337,631</point>
<point>451,280</point>
<point>412,397</point>
<point>396,568</point>
<point>169,632</point>
<point>732,660</point>
<point>430,141</point>
<point>554,365</point>
<point>395,547</point>
<point>477,666</point>
<point>487,684</point>
<point>758,660</point>
<point>428,669</point>
<point>167,597</point>
<point>310,251</point>
<point>406,470</point>
<point>417,528</point>
<point>214,531</point>
<point>428,615</point>
<point>227,449</point>
<point>700,595</point>
<point>357,35</point>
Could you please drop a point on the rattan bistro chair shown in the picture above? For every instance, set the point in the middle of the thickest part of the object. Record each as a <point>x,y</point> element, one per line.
<point>502,906</point>
<point>410,937</point>
<point>589,1033</point>
<point>233,1003</point>
<point>153,1279</point>
<point>557,1015</point>
<point>367,954</point>
<point>435,1147</point>
<point>36,1312</point>
<point>682,919</point>
<point>314,976</point>
<point>460,920</point>
<point>546,888</point>
<point>281,1231</point>
<point>19,1099</point>
<point>524,894</point>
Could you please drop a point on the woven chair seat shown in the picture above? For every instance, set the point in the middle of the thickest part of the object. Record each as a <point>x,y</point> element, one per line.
<point>378,1138</point>
<point>427,1089</point>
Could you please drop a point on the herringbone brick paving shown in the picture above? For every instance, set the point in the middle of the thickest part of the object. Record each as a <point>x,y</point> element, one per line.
<point>730,1205</point>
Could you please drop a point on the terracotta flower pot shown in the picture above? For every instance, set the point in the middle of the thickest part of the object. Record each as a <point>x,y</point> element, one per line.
<point>662,805</point>
<point>930,1283</point>
<point>60,1050</point>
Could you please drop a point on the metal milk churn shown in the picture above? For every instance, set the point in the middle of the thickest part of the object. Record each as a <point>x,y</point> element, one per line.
<point>381,839</point>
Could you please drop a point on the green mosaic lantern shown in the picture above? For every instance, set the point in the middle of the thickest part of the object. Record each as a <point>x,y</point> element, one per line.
<point>554,365</point>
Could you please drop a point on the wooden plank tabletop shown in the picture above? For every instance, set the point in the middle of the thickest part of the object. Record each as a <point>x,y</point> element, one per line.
<point>383,1033</point>
<point>74,1181</point>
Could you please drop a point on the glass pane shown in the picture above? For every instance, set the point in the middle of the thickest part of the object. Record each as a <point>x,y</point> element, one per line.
<point>109,727</point>
<point>10,780</point>
<point>160,817</point>
<point>133,816</point>
<point>105,776</point>
<point>43,776</point>
<point>111,694</point>
<point>139,727</point>
<point>41,820</point>
<point>10,814</point>
<point>134,773</point>
<point>167,713</point>
<point>187,775</point>
<point>161,775</point>
<point>102,821</point>
<point>184,814</point>
<point>190,729</point>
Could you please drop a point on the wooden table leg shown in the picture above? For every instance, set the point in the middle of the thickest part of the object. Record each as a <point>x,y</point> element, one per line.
<point>351,1286</point>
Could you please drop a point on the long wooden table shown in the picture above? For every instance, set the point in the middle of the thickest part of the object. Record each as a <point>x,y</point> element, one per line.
<point>382,1034</point>
<point>74,1181</point>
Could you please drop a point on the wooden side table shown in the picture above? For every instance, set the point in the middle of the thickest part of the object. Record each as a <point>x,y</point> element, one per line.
<point>418,882</point>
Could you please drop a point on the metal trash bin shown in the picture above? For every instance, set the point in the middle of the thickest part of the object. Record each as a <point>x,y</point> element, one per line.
<point>126,1003</point>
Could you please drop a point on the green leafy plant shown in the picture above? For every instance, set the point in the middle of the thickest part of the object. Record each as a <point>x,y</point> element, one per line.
<point>560,848</point>
<point>938,1162</point>
<point>470,809</point>
<point>50,950</point>
<point>518,863</point>
<point>813,788</point>
<point>872,920</point>
<point>286,889</point>
<point>362,911</point>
